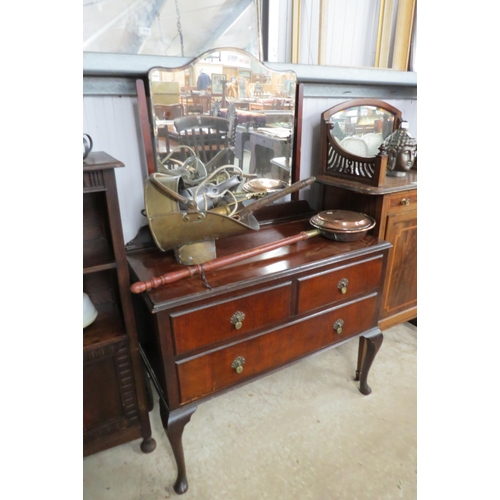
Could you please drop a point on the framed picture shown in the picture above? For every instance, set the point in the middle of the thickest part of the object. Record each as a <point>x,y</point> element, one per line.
<point>218,82</point>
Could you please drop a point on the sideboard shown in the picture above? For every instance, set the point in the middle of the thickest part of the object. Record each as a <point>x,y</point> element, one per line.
<point>394,207</point>
<point>205,335</point>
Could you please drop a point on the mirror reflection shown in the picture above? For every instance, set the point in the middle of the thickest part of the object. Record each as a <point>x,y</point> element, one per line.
<point>184,28</point>
<point>225,108</point>
<point>360,130</point>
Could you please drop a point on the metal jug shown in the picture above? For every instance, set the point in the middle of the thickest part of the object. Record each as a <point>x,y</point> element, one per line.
<point>87,145</point>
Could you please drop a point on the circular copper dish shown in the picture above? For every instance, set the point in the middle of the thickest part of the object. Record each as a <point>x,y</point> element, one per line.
<point>263,185</point>
<point>343,225</point>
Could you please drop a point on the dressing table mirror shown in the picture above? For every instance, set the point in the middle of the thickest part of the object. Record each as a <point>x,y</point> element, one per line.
<point>220,135</point>
<point>258,103</point>
<point>352,134</point>
<point>274,294</point>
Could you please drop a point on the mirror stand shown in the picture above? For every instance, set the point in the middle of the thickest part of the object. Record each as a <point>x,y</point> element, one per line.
<point>352,136</point>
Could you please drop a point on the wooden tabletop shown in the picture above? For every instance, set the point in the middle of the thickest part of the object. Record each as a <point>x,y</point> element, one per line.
<point>99,160</point>
<point>152,262</point>
<point>391,184</point>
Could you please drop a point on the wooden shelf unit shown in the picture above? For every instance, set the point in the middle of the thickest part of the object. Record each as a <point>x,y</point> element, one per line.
<point>115,408</point>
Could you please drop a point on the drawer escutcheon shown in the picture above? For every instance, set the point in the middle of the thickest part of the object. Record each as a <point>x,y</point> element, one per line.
<point>238,363</point>
<point>337,326</point>
<point>237,319</point>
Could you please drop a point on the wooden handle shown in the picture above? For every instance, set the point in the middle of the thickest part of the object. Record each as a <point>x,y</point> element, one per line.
<point>141,286</point>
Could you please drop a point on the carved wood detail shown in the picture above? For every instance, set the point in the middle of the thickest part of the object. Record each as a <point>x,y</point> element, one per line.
<point>93,179</point>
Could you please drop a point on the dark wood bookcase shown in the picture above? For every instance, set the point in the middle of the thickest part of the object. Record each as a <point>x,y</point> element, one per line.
<point>115,402</point>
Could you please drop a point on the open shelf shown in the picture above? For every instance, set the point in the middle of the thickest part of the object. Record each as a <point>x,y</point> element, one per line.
<point>108,325</point>
<point>97,255</point>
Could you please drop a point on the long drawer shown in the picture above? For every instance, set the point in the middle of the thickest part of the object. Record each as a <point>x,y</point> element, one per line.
<point>210,372</point>
<point>204,326</point>
<point>342,283</point>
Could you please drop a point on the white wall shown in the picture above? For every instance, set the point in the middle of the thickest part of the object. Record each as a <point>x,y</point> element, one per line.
<point>113,124</point>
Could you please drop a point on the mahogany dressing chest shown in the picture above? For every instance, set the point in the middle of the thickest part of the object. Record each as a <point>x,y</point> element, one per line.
<point>205,335</point>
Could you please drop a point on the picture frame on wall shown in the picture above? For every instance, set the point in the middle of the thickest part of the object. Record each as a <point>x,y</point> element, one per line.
<point>218,82</point>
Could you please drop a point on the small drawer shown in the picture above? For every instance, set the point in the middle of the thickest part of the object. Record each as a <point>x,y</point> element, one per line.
<point>405,200</point>
<point>203,326</point>
<point>211,372</point>
<point>338,284</point>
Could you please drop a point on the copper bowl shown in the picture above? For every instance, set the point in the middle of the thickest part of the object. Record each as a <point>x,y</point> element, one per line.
<point>343,225</point>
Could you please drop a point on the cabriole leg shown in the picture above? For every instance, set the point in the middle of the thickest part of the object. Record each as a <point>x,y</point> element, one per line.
<point>368,348</point>
<point>174,423</point>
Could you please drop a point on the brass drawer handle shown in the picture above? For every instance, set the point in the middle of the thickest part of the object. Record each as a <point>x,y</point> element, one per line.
<point>342,285</point>
<point>337,326</point>
<point>238,363</point>
<point>237,319</point>
<point>405,201</point>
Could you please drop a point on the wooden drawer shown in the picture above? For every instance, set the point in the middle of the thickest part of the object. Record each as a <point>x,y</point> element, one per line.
<point>211,372</point>
<point>325,288</point>
<point>404,200</point>
<point>203,326</point>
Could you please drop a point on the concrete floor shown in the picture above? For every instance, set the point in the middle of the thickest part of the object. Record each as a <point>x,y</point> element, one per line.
<point>305,432</point>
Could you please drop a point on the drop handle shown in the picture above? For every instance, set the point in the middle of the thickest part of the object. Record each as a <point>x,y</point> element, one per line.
<point>342,285</point>
<point>238,363</point>
<point>237,319</point>
<point>405,201</point>
<point>337,326</point>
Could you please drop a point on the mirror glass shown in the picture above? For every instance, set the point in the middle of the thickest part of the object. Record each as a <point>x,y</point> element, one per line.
<point>184,28</point>
<point>242,111</point>
<point>360,130</point>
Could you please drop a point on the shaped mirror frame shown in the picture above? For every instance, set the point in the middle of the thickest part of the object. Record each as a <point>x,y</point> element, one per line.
<point>259,103</point>
<point>352,135</point>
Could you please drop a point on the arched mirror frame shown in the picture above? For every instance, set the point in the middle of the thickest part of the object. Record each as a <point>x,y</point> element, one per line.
<point>337,162</point>
<point>147,119</point>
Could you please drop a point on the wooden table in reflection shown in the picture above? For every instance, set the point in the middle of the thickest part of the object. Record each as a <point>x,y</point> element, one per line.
<point>263,148</point>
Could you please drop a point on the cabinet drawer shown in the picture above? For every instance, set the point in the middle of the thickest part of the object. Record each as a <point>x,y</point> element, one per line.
<point>405,200</point>
<point>203,326</point>
<point>208,373</point>
<point>326,288</point>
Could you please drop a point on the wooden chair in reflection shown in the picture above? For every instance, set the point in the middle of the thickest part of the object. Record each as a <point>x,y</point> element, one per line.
<point>209,137</point>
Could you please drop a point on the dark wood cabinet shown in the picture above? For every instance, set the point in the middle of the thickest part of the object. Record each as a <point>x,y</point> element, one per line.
<point>394,207</point>
<point>258,316</point>
<point>115,408</point>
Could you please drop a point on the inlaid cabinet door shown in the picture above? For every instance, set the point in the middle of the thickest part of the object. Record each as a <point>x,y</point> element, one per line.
<point>400,291</point>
